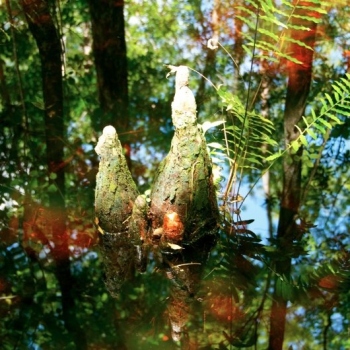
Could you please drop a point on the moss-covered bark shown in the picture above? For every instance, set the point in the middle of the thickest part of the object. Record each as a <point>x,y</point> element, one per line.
<point>115,188</point>
<point>115,195</point>
<point>183,201</point>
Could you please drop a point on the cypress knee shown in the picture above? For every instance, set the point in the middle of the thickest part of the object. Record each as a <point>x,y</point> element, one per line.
<point>115,195</point>
<point>183,211</point>
<point>183,200</point>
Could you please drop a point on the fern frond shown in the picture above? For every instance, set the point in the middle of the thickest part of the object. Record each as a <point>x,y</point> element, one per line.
<point>274,23</point>
<point>298,42</point>
<point>307,18</point>
<point>334,108</point>
<point>246,133</point>
<point>248,136</point>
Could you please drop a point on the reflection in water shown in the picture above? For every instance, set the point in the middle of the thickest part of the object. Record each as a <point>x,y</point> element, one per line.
<point>119,256</point>
<point>184,270</point>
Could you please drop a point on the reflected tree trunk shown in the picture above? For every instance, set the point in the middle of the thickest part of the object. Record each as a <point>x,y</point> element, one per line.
<point>42,27</point>
<point>109,49</point>
<point>210,54</point>
<point>299,80</point>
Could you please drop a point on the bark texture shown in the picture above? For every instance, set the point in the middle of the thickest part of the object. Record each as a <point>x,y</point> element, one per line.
<point>115,195</point>
<point>183,200</point>
<point>115,188</point>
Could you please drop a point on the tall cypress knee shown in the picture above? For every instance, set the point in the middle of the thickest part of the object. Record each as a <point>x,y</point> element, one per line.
<point>183,200</point>
<point>115,195</point>
<point>183,210</point>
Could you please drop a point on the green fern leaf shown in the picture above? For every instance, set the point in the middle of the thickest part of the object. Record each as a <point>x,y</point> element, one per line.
<point>329,98</point>
<point>334,118</point>
<point>318,9</point>
<point>311,133</point>
<point>346,81</point>
<point>313,114</point>
<point>246,21</point>
<point>325,123</point>
<point>298,27</point>
<point>303,140</point>
<point>298,42</point>
<point>273,20</point>
<point>245,9</point>
<point>320,128</point>
<point>307,18</point>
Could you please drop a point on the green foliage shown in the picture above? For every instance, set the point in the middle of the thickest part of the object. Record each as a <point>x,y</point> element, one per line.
<point>248,136</point>
<point>334,109</point>
<point>249,145</point>
<point>236,289</point>
<point>270,24</point>
<point>249,142</point>
<point>246,133</point>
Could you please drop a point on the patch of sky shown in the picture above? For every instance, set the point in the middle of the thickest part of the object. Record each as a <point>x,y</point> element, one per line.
<point>337,322</point>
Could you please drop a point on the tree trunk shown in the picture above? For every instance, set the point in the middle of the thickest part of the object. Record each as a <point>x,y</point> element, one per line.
<point>299,80</point>
<point>109,49</point>
<point>42,27</point>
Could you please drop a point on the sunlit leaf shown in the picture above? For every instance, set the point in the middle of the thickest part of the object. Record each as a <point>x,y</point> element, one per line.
<point>311,133</point>
<point>303,140</point>
<point>208,125</point>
